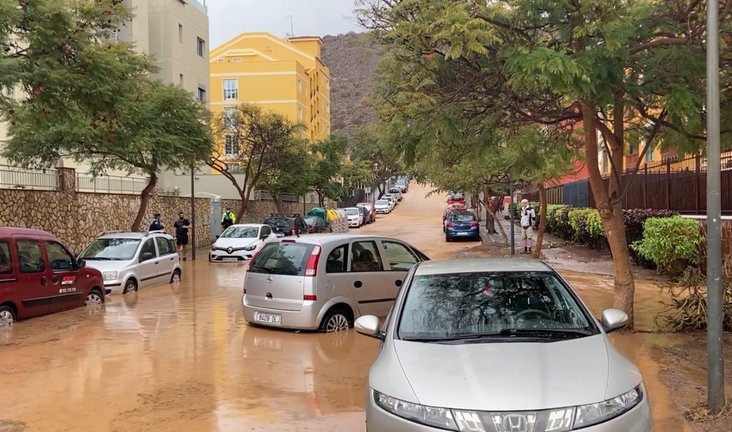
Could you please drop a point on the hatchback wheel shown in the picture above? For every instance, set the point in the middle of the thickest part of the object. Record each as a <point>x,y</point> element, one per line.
<point>130,286</point>
<point>175,278</point>
<point>7,316</point>
<point>336,320</point>
<point>94,298</point>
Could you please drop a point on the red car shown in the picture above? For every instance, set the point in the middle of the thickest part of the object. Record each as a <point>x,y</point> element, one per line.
<point>456,198</point>
<point>39,276</point>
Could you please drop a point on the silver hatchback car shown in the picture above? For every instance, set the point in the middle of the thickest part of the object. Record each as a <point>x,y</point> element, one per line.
<point>499,345</point>
<point>325,281</point>
<point>130,260</point>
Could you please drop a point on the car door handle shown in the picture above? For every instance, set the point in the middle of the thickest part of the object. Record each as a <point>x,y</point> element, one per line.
<point>43,281</point>
<point>358,284</point>
<point>398,282</point>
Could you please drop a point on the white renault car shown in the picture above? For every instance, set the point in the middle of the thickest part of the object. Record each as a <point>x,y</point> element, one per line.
<point>131,260</point>
<point>382,206</point>
<point>355,217</point>
<point>241,242</point>
<point>499,345</point>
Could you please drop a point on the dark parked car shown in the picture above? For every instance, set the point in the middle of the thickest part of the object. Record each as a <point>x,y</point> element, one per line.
<point>316,225</point>
<point>282,225</point>
<point>461,224</point>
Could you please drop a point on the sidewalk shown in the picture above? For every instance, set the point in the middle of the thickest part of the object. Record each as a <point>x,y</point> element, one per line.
<point>557,252</point>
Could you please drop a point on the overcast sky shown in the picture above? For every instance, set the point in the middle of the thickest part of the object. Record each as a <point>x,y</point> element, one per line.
<point>228,18</point>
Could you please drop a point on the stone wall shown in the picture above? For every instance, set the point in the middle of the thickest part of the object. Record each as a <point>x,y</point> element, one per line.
<point>77,218</point>
<point>258,211</point>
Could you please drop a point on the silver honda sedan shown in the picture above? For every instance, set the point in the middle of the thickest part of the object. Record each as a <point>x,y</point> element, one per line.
<point>499,345</point>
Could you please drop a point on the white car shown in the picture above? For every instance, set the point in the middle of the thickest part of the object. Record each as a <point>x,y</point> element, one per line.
<point>397,192</point>
<point>131,260</point>
<point>355,217</point>
<point>382,206</point>
<point>393,200</point>
<point>241,242</point>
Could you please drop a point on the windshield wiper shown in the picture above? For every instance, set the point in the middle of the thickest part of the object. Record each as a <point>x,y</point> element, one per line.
<point>547,333</point>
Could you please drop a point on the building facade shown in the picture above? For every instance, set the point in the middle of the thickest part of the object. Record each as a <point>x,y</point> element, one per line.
<point>283,76</point>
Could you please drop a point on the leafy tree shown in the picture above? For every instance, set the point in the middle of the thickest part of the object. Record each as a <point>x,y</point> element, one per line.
<point>291,173</point>
<point>630,72</point>
<point>353,174</point>
<point>327,159</point>
<point>369,145</point>
<point>250,141</point>
<point>156,126</point>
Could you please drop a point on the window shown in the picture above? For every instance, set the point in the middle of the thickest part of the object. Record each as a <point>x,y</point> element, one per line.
<point>230,117</point>
<point>180,33</point>
<point>365,257</point>
<point>6,263</point>
<point>201,94</point>
<point>231,89</point>
<point>148,247</point>
<point>111,249</point>
<point>300,115</point>
<point>337,260</point>
<point>200,46</point>
<point>231,145</point>
<point>59,257</point>
<point>282,259</point>
<point>164,246</point>
<point>649,154</point>
<point>29,256</point>
<point>399,256</point>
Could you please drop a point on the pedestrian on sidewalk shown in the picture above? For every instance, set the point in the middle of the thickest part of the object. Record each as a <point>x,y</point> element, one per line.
<point>181,234</point>
<point>155,224</point>
<point>528,219</point>
<point>227,219</point>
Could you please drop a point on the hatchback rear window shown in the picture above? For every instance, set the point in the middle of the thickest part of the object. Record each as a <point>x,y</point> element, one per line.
<point>285,258</point>
<point>462,217</point>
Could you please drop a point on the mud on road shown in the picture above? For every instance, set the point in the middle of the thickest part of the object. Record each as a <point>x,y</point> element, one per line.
<point>181,358</point>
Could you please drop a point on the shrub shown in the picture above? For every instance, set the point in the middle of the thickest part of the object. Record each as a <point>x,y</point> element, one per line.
<point>634,219</point>
<point>587,227</point>
<point>672,243</point>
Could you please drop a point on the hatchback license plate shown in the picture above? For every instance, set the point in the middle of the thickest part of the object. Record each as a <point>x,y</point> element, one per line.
<point>462,233</point>
<point>268,318</point>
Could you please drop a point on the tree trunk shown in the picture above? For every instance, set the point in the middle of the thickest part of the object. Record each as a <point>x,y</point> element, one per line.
<point>277,202</point>
<point>542,220</point>
<point>491,214</point>
<point>244,206</point>
<point>320,199</point>
<point>611,214</point>
<point>144,199</point>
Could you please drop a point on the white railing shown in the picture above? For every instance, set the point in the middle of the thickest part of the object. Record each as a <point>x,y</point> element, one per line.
<point>19,178</point>
<point>109,184</point>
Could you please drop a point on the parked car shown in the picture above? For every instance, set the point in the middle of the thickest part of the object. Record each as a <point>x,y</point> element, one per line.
<point>396,191</point>
<point>392,199</point>
<point>403,185</point>
<point>499,345</point>
<point>325,281</point>
<point>317,225</point>
<point>451,207</point>
<point>455,197</point>
<point>371,211</point>
<point>355,217</point>
<point>449,212</point>
<point>462,224</point>
<point>132,260</point>
<point>282,225</point>
<point>39,276</point>
<point>383,206</point>
<point>241,242</point>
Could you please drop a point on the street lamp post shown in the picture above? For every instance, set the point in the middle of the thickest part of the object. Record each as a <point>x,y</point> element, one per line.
<point>715,293</point>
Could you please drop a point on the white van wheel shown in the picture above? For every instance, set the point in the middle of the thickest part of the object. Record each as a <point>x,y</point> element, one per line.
<point>176,276</point>
<point>7,316</point>
<point>130,286</point>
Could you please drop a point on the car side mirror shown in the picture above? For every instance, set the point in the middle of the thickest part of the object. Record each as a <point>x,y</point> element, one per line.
<point>78,264</point>
<point>613,319</point>
<point>146,256</point>
<point>368,325</point>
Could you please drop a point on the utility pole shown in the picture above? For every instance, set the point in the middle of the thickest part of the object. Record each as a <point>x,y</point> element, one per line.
<point>715,294</point>
<point>513,217</point>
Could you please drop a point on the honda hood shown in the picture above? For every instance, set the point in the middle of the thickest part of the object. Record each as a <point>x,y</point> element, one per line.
<point>510,376</point>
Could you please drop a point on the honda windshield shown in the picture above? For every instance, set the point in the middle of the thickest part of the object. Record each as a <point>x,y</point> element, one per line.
<point>111,249</point>
<point>491,305</point>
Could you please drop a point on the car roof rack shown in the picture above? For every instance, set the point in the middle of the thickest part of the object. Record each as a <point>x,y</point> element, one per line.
<point>155,232</point>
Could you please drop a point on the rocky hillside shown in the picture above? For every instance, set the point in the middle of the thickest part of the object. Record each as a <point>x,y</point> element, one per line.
<point>352,59</point>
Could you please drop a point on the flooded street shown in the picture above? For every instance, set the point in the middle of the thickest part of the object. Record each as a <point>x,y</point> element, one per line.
<point>181,357</point>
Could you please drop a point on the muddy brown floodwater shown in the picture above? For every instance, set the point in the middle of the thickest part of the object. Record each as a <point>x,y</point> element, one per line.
<point>181,358</point>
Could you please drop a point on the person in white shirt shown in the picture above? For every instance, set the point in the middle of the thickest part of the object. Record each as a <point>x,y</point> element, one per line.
<point>528,219</point>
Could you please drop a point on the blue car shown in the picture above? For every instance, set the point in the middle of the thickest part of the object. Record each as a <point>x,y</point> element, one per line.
<point>462,224</point>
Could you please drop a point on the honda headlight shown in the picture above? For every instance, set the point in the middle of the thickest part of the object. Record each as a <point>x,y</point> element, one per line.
<point>430,416</point>
<point>109,275</point>
<point>588,415</point>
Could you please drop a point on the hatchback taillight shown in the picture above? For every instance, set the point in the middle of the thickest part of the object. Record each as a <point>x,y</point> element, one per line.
<point>311,269</point>
<point>474,223</point>
<point>311,297</point>
<point>450,224</point>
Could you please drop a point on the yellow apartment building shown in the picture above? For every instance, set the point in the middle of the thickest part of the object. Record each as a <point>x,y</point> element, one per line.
<point>284,76</point>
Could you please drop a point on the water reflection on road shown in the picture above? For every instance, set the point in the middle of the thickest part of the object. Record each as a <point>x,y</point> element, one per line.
<point>181,358</point>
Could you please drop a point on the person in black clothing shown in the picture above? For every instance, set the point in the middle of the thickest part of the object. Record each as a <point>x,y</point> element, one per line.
<point>300,225</point>
<point>155,224</point>
<point>181,234</point>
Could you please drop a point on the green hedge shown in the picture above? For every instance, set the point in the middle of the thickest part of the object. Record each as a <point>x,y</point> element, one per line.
<point>672,243</point>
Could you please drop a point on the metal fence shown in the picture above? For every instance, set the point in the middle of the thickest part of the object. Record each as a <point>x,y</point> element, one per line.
<point>678,185</point>
<point>109,184</point>
<point>18,178</point>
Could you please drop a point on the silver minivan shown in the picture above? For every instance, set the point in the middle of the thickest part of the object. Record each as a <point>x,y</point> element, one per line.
<point>131,260</point>
<point>325,281</point>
